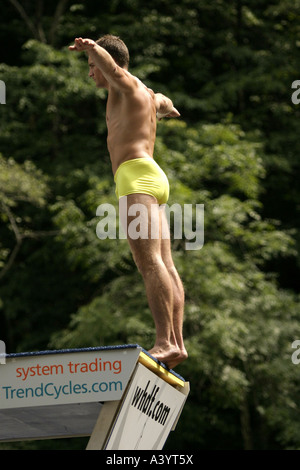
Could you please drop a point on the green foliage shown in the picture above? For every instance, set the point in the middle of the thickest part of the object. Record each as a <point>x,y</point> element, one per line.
<point>21,183</point>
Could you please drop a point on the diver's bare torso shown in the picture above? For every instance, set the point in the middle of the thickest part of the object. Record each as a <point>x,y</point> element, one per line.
<point>131,122</point>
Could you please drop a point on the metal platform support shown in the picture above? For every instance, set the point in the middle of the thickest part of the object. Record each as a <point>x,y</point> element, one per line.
<point>120,396</point>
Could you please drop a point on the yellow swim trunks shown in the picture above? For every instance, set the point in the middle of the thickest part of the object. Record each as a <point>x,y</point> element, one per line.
<point>142,175</point>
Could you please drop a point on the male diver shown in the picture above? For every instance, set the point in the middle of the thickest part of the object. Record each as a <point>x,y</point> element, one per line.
<point>131,116</point>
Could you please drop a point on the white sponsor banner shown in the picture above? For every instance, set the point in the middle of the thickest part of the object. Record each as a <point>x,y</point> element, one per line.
<point>148,413</point>
<point>72,377</point>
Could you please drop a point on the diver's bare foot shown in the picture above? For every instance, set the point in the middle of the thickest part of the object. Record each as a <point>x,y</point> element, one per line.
<point>171,355</point>
<point>177,360</point>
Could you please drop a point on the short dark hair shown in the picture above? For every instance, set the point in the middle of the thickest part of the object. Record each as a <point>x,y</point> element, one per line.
<point>116,48</point>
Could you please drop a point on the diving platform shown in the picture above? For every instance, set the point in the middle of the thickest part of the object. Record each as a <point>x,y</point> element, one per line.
<point>119,396</point>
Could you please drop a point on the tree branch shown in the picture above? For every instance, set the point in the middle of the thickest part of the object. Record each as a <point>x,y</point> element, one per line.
<point>37,30</point>
<point>19,238</point>
<point>39,16</point>
<point>25,17</point>
<point>61,6</point>
<point>12,221</point>
<point>11,260</point>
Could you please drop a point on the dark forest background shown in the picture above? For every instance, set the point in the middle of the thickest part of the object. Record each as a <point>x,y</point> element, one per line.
<point>229,68</point>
